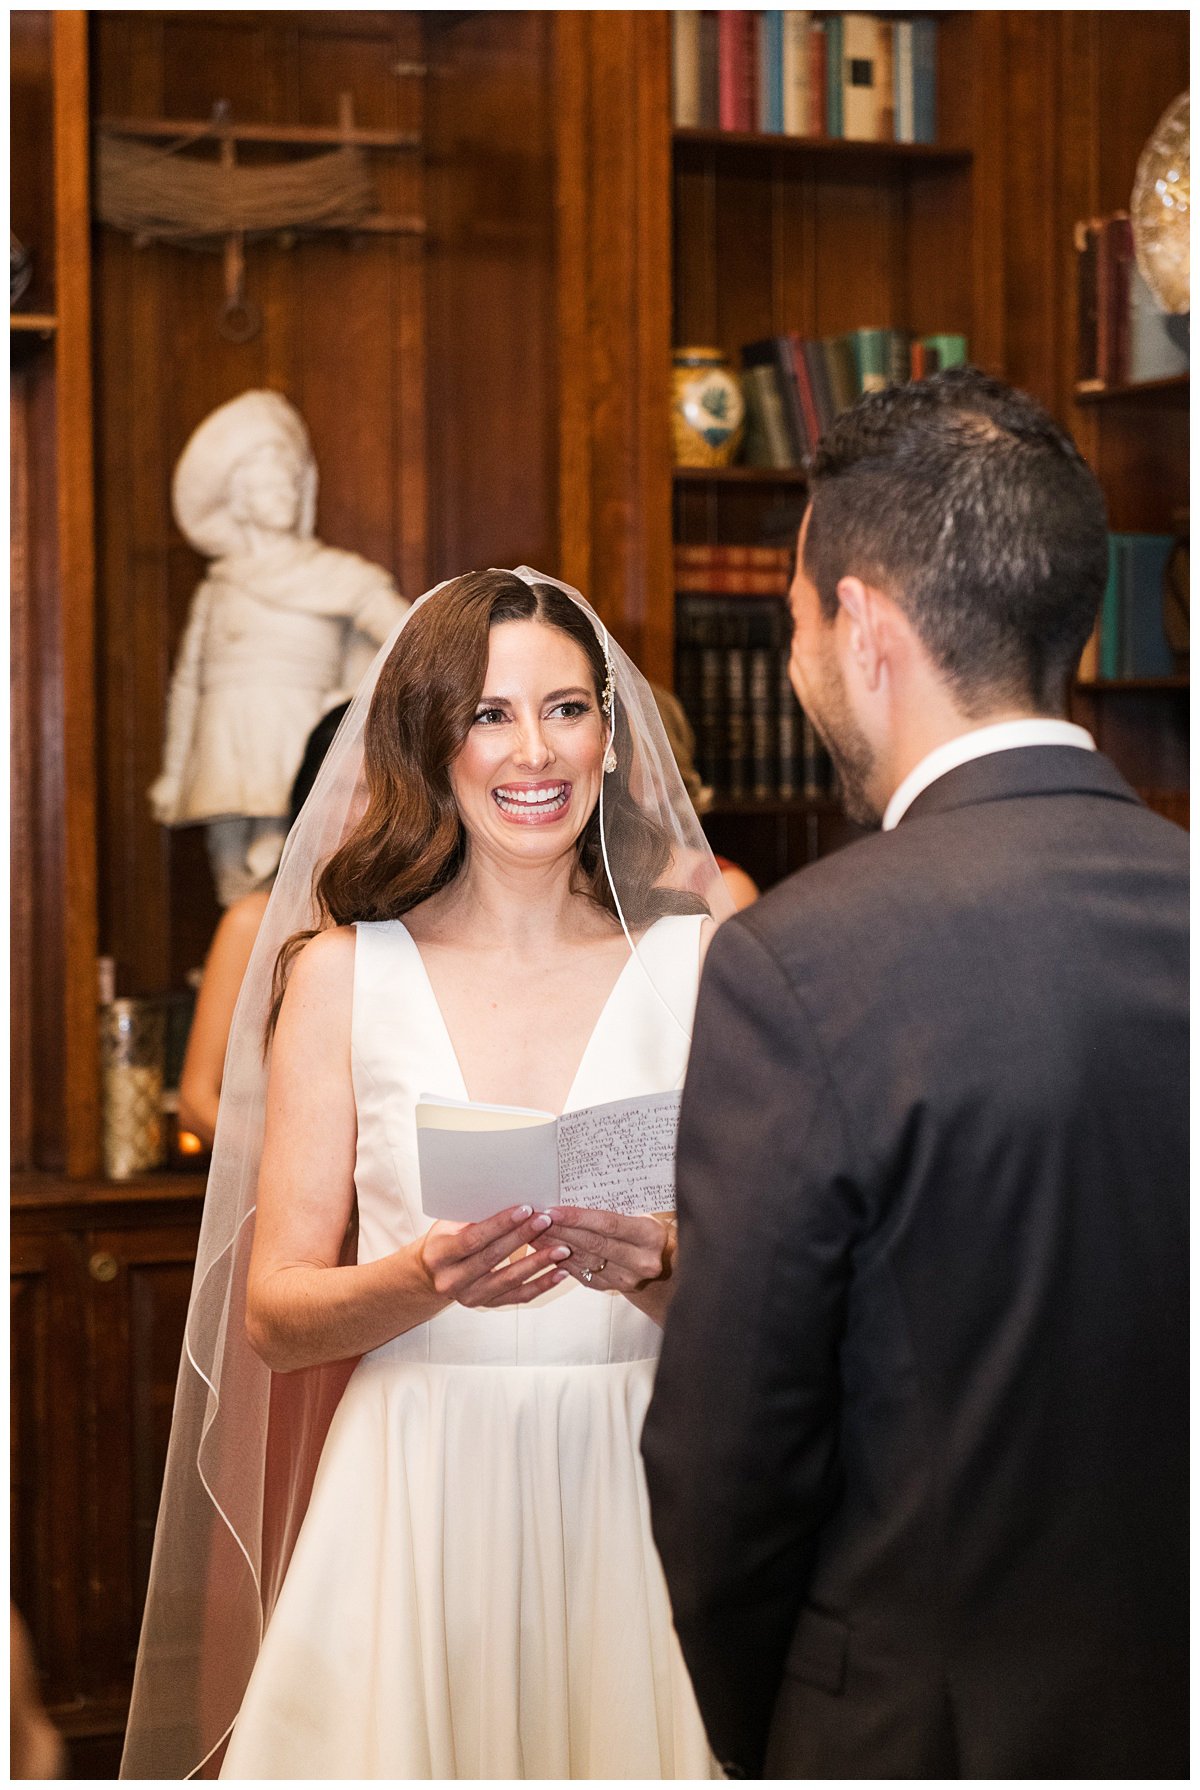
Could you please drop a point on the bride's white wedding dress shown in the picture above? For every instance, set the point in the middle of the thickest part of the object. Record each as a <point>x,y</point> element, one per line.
<point>475,1592</point>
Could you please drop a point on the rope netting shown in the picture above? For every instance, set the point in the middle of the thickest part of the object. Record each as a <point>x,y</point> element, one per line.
<point>159,193</point>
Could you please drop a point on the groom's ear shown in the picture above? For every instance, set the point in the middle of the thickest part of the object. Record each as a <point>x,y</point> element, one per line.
<point>866,616</point>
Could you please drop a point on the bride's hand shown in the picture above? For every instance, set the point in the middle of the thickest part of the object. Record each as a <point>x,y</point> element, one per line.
<point>611,1253</point>
<point>469,1262</point>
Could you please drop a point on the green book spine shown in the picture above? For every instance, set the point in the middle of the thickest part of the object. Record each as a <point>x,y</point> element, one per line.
<point>833,80</point>
<point>1110,611</point>
<point>871,359</point>
<point>951,350</point>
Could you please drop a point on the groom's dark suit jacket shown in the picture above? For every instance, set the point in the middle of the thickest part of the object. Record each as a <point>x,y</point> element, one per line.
<point>917,1453</point>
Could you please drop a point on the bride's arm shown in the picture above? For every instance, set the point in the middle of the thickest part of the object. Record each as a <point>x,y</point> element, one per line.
<point>301,1307</point>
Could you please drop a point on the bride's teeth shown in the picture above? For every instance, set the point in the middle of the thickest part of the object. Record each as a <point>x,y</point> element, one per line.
<point>541,798</point>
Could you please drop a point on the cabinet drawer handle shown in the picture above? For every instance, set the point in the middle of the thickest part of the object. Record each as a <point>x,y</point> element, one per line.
<point>102,1266</point>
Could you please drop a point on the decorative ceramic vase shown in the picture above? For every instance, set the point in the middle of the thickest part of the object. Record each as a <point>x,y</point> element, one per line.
<point>707,408</point>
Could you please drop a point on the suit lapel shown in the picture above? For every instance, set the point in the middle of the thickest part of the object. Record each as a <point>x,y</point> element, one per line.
<point>1022,771</point>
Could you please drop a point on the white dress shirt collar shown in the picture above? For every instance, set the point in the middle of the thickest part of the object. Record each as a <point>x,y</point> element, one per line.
<point>1000,736</point>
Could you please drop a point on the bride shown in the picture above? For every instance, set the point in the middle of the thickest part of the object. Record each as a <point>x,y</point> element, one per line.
<point>404,1530</point>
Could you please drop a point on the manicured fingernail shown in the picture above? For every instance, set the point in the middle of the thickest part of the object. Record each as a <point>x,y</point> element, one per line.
<point>560,1254</point>
<point>559,1274</point>
<point>522,1212</point>
<point>540,1223</point>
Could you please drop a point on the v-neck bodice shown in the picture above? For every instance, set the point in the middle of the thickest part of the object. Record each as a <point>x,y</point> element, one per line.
<point>595,1038</point>
<point>401,1048</point>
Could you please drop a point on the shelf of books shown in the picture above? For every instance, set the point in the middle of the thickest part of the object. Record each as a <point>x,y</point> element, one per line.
<point>1140,639</point>
<point>822,242</point>
<point>1127,346</point>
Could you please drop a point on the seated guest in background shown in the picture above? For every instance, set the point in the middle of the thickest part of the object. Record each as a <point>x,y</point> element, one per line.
<point>682,740</point>
<point>228,955</point>
<point>917,1453</point>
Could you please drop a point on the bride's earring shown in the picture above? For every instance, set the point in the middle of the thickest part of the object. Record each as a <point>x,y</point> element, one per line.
<point>610,760</point>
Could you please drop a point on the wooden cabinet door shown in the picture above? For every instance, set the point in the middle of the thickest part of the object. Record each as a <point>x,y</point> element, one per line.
<point>139,1284</point>
<point>45,1449</point>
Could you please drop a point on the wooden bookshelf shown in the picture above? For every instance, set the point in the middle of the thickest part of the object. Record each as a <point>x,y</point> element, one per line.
<point>823,236</point>
<point>31,323</point>
<point>739,475</point>
<point>849,152</point>
<point>1177,385</point>
<point>1134,685</point>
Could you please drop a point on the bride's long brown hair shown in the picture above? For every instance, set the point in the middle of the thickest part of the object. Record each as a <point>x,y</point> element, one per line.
<point>410,841</point>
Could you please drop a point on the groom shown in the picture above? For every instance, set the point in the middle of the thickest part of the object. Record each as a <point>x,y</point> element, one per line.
<point>918,1450</point>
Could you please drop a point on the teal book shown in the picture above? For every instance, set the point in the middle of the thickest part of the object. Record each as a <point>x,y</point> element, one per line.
<point>833,79</point>
<point>770,72</point>
<point>842,373</point>
<point>951,350</point>
<point>924,80</point>
<point>1110,611</point>
<point>872,358</point>
<point>1144,648</point>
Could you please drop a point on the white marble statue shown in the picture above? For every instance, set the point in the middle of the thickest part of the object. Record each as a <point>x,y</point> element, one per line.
<point>280,630</point>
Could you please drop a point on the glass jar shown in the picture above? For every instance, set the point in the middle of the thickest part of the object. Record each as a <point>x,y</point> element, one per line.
<point>132,1046</point>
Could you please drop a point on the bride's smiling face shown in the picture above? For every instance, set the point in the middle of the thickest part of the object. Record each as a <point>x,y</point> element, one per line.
<point>528,773</point>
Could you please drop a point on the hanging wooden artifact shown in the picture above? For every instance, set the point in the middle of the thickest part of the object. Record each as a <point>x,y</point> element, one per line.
<point>158,192</point>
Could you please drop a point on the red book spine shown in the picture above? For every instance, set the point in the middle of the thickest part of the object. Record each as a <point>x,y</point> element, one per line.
<point>748,115</point>
<point>1121,235</point>
<point>729,58</point>
<point>818,73</point>
<point>808,403</point>
<point>917,360</point>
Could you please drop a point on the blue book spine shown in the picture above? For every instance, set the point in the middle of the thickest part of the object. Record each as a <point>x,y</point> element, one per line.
<point>924,56</point>
<point>833,75</point>
<point>1144,648</point>
<point>771,72</point>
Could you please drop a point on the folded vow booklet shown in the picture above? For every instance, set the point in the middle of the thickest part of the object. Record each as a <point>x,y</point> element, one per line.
<point>477,1159</point>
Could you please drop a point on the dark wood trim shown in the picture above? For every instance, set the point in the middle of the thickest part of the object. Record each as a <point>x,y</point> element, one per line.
<point>849,150</point>
<point>1177,385</point>
<point>76,522</point>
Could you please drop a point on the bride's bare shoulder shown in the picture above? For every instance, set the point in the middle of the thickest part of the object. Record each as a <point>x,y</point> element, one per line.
<point>323,969</point>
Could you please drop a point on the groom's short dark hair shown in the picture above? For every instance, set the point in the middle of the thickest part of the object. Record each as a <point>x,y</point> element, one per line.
<point>967,503</point>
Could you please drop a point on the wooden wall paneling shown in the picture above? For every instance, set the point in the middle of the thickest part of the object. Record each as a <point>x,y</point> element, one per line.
<point>491,298</point>
<point>76,536</point>
<point>31,127</point>
<point>54,887</point>
<point>973,112</point>
<point>693,248</point>
<point>135,616</point>
<point>1031,245</point>
<point>613,161</point>
<point>358,314</point>
<point>139,1282</point>
<point>794,263</point>
<point>747,252</point>
<point>47,894</point>
<point>342,338</point>
<point>853,257</point>
<point>45,1453</point>
<point>23,843</point>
